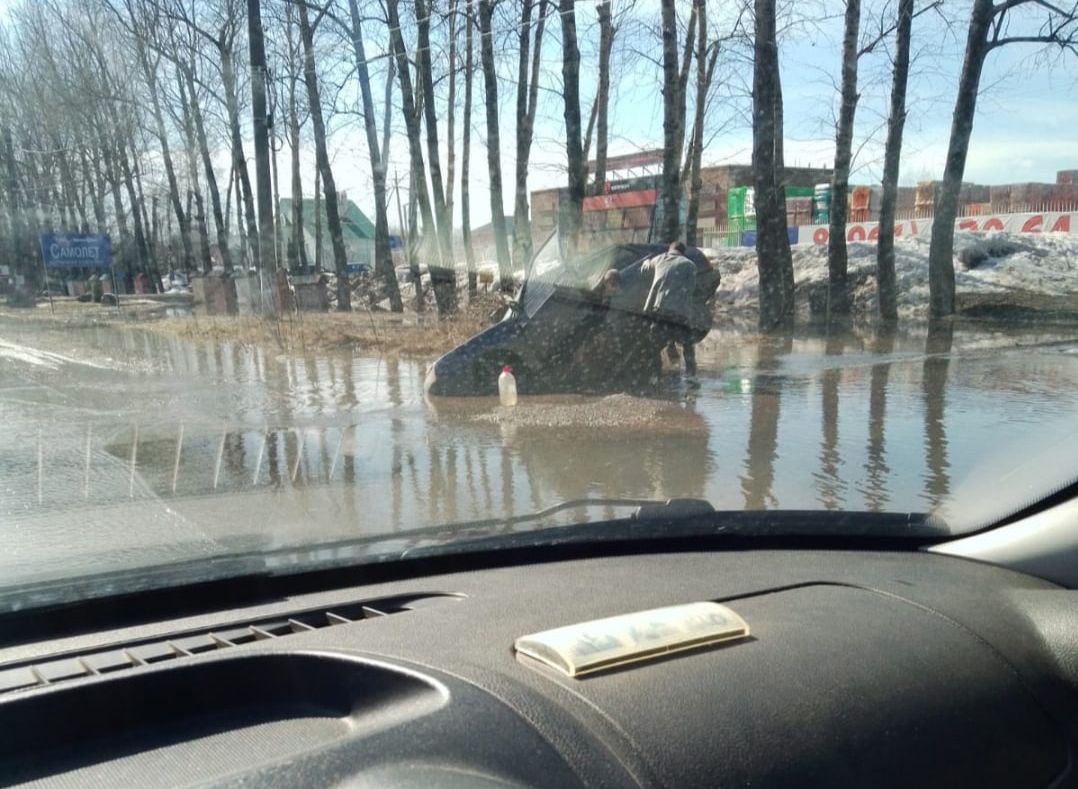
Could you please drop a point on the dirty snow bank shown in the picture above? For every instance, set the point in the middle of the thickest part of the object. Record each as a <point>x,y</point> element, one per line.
<point>984,264</point>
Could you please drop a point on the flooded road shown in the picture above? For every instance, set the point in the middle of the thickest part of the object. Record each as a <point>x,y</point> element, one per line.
<point>116,442</point>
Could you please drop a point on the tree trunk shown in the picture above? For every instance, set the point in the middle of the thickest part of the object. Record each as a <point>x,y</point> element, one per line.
<point>672,131</point>
<point>95,185</point>
<point>443,278</point>
<point>465,161</point>
<point>602,95</point>
<point>450,121</point>
<point>142,250</point>
<point>383,256</point>
<point>415,145</point>
<point>494,153</point>
<point>115,180</point>
<point>941,300</point>
<point>219,223</point>
<point>527,96</point>
<point>705,70</point>
<point>152,270</point>
<point>192,172</point>
<point>278,225</point>
<point>772,244</point>
<point>74,204</point>
<point>319,256</point>
<point>838,297</point>
<point>22,261</point>
<point>266,235</point>
<point>387,116</point>
<point>239,158</point>
<point>570,71</point>
<point>228,203</point>
<point>333,217</point>
<point>166,156</point>
<point>886,283</point>
<point>299,240</point>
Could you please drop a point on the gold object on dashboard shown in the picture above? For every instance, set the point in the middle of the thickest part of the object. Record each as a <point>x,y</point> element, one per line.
<point>601,644</point>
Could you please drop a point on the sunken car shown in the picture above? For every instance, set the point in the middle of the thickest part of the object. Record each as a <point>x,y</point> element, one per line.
<point>567,331</point>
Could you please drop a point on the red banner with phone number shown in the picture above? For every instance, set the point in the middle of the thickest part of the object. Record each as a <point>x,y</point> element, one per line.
<point>1045,222</point>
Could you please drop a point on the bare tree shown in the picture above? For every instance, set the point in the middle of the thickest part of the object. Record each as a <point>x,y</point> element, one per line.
<point>465,159</point>
<point>494,154</point>
<point>989,29</point>
<point>602,95</point>
<point>707,56</point>
<point>442,277</point>
<point>675,82</point>
<point>195,186</point>
<point>329,186</point>
<point>297,243</point>
<point>838,302</point>
<point>773,257</point>
<point>887,292</point>
<point>574,150</point>
<point>139,24</point>
<point>259,117</point>
<point>412,122</point>
<point>383,257</point>
<point>527,101</point>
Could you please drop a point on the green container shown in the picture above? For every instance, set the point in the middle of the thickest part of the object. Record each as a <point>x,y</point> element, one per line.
<point>735,201</point>
<point>821,217</point>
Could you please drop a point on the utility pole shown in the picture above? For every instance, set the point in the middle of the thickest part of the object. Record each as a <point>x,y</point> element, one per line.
<point>266,245</point>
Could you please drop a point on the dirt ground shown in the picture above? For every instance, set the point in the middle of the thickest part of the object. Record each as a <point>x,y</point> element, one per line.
<point>406,334</point>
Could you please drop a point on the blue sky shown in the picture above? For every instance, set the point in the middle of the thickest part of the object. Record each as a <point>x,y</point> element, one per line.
<point>1025,129</point>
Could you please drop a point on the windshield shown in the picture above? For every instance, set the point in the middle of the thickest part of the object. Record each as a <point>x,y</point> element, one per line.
<point>758,258</point>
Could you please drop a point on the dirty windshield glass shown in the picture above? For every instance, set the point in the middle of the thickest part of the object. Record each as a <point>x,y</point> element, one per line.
<point>285,275</point>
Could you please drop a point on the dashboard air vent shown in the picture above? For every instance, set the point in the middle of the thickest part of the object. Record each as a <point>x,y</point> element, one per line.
<point>73,665</point>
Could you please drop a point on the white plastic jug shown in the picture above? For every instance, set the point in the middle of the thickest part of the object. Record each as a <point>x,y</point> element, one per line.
<point>507,387</point>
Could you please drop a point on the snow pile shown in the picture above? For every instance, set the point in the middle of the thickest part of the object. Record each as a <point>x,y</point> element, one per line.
<point>1044,264</point>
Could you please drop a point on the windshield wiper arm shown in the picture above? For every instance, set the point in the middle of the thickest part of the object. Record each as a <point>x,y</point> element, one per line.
<point>650,519</point>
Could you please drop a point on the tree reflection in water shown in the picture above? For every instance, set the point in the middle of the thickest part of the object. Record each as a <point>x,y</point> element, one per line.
<point>876,468</point>
<point>829,483</point>
<point>934,383</point>
<point>759,476</point>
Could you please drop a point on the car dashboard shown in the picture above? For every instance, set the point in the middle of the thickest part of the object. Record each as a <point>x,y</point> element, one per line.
<point>863,668</point>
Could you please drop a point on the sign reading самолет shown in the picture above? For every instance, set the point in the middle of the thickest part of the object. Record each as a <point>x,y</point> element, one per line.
<point>76,250</point>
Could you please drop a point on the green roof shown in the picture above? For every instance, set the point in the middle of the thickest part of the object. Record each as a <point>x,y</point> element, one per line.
<point>354,222</point>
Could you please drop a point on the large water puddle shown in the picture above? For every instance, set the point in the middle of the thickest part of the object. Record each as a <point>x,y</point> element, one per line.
<point>118,442</point>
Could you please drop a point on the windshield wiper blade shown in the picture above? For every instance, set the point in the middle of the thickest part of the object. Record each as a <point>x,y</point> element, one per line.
<point>683,517</point>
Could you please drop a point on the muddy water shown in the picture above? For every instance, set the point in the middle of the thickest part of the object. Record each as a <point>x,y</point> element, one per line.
<point>121,447</point>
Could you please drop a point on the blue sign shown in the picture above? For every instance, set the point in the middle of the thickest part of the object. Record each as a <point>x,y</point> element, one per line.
<point>76,250</point>
<point>395,243</point>
<point>748,237</point>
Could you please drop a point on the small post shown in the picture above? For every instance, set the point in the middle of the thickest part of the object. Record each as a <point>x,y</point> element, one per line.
<point>220,455</point>
<point>40,469</point>
<point>299,453</point>
<point>258,460</point>
<point>86,476</point>
<point>134,462</point>
<point>336,455</point>
<point>176,463</point>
